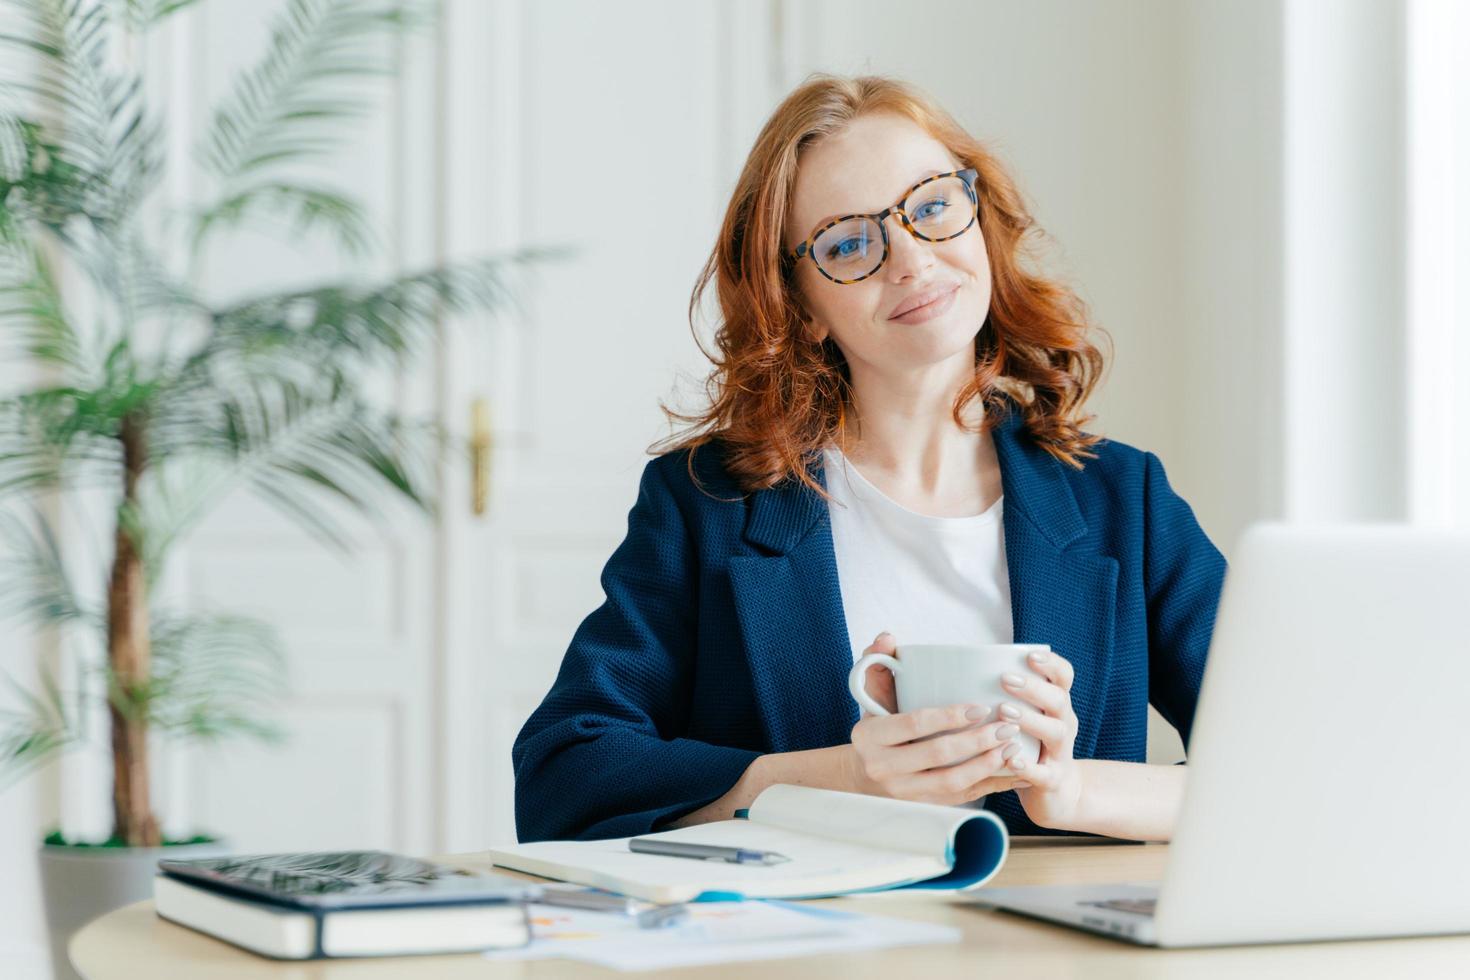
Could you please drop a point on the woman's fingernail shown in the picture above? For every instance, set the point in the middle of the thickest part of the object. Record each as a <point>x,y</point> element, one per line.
<point>1010,711</point>
<point>881,635</point>
<point>978,712</point>
<point>1018,763</point>
<point>1037,657</point>
<point>1013,680</point>
<point>1009,752</point>
<point>1006,731</point>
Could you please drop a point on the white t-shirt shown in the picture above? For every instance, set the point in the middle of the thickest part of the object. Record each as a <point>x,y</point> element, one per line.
<point>924,579</point>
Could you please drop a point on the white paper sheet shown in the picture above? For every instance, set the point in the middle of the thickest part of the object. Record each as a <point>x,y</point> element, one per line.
<point>715,932</point>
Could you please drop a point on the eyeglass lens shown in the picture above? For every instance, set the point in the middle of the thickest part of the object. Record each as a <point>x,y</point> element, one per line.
<point>938,210</point>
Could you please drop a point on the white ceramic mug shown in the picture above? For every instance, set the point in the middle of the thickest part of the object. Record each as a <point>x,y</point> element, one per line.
<point>937,675</point>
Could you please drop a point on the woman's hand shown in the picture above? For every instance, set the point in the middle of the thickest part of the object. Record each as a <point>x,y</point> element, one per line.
<point>1054,798</point>
<point>934,755</point>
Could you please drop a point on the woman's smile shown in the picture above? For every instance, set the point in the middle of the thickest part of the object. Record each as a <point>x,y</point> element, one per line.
<point>935,307</point>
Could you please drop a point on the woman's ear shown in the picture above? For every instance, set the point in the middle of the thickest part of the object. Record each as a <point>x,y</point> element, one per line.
<point>811,330</point>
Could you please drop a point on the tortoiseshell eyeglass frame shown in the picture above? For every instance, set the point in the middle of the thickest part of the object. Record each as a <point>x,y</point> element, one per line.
<point>969,175</point>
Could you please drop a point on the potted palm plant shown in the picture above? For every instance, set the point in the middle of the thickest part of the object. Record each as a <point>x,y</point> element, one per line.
<point>160,399</point>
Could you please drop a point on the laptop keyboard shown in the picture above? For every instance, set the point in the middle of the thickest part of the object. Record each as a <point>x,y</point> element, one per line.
<point>1138,906</point>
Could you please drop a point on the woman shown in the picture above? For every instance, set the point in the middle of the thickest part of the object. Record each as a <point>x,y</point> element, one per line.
<point>886,373</point>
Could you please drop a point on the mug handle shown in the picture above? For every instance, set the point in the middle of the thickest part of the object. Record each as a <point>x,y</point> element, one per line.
<point>859,674</point>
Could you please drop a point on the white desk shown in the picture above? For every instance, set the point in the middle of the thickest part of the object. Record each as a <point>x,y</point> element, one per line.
<point>134,944</point>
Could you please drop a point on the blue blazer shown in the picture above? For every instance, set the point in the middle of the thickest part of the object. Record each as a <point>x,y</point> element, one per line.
<point>723,637</point>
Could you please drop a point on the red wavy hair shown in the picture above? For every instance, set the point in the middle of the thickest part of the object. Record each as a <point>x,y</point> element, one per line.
<point>776,397</point>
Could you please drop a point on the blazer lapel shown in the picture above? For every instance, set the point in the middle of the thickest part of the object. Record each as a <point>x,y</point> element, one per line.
<point>791,620</point>
<point>789,603</point>
<point>1060,595</point>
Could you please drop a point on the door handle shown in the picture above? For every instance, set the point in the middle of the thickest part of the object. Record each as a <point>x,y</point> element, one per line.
<point>480,446</point>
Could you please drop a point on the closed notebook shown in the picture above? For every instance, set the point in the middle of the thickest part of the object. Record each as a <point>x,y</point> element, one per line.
<point>837,843</point>
<point>339,904</point>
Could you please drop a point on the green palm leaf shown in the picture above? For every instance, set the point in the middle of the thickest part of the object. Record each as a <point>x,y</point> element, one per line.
<point>45,187</point>
<point>34,584</point>
<point>276,111</point>
<point>55,438</point>
<point>131,281</point>
<point>297,442</point>
<point>31,312</point>
<point>14,151</point>
<point>302,445</point>
<point>302,205</point>
<point>282,110</point>
<point>172,497</point>
<point>394,319</point>
<point>214,675</point>
<point>39,730</point>
<point>144,13</point>
<point>104,133</point>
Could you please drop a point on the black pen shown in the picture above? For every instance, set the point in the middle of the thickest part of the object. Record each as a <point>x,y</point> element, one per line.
<point>705,852</point>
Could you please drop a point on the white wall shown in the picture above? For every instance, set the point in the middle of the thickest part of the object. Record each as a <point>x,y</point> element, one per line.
<point>1227,455</point>
<point>1344,269</point>
<point>1438,257</point>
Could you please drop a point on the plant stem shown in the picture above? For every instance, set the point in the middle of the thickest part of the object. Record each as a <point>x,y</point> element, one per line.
<point>128,653</point>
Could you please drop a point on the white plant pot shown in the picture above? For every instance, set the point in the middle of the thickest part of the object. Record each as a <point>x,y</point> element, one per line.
<point>81,883</point>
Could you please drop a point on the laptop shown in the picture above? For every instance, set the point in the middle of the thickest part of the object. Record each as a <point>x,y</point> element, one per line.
<point>1328,793</point>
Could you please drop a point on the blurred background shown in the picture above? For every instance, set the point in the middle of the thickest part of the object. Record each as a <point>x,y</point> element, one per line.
<point>1263,201</point>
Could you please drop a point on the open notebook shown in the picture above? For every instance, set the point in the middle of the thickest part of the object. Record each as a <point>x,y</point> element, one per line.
<point>837,842</point>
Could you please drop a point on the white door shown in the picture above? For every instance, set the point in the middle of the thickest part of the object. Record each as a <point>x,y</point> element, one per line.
<point>601,135</point>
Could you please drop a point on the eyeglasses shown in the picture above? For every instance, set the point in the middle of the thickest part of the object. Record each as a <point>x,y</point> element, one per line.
<point>936,209</point>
